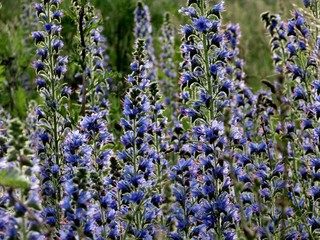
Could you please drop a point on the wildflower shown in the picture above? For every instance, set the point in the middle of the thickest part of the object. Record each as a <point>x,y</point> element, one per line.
<point>202,24</point>
<point>38,37</point>
<point>306,3</point>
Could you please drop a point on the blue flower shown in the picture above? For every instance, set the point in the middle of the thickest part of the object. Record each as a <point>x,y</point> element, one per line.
<point>58,15</point>
<point>50,215</point>
<point>43,53</point>
<point>187,79</point>
<point>38,37</point>
<point>190,11</point>
<point>214,68</point>
<point>39,8</point>
<point>217,9</point>
<point>57,45</point>
<point>48,27</point>
<point>299,93</point>
<point>128,139</point>
<point>187,30</point>
<point>175,236</point>
<point>314,222</point>
<point>216,40</point>
<point>65,204</point>
<point>38,66</point>
<point>67,234</point>
<point>292,49</point>
<point>314,192</point>
<point>306,3</point>
<point>202,24</point>
<point>134,197</point>
<point>257,148</point>
<point>84,198</point>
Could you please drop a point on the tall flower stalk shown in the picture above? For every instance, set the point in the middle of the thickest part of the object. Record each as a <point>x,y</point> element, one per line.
<point>52,115</point>
<point>168,83</point>
<point>294,47</point>
<point>136,184</point>
<point>91,57</point>
<point>143,30</point>
<point>204,204</point>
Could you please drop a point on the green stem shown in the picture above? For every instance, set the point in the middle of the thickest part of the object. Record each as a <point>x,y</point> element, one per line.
<point>83,59</point>
<point>92,83</point>
<point>104,221</point>
<point>55,121</point>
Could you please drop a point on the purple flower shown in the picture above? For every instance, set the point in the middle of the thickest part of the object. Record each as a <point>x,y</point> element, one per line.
<point>66,91</point>
<point>187,30</point>
<point>77,152</point>
<point>190,11</point>
<point>314,192</point>
<point>214,68</point>
<point>48,27</point>
<point>202,24</point>
<point>217,9</point>
<point>38,37</point>
<point>128,139</point>
<point>314,222</point>
<point>50,216</point>
<point>257,148</point>
<point>135,66</point>
<point>299,93</point>
<point>57,45</point>
<point>58,15</point>
<point>60,70</point>
<point>39,8</point>
<point>84,198</point>
<point>306,3</point>
<point>38,66</point>
<point>43,53</point>
<point>40,82</point>
<point>134,197</point>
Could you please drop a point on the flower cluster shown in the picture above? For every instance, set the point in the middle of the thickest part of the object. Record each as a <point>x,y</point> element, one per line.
<point>87,188</point>
<point>211,160</point>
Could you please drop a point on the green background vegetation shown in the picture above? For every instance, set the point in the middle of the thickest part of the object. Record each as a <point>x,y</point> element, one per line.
<point>117,17</point>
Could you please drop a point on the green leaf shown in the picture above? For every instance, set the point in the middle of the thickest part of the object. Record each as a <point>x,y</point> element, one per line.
<point>13,179</point>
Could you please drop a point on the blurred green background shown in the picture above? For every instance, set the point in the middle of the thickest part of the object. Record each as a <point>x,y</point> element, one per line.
<point>117,17</point>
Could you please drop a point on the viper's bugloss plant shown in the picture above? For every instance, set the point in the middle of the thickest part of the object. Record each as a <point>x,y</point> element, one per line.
<point>52,114</point>
<point>87,181</point>
<point>294,44</point>
<point>205,58</point>
<point>28,17</point>
<point>91,57</point>
<point>205,205</point>
<point>21,187</point>
<point>136,107</point>
<point>143,163</point>
<point>143,30</point>
<point>168,84</point>
<point>204,157</point>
